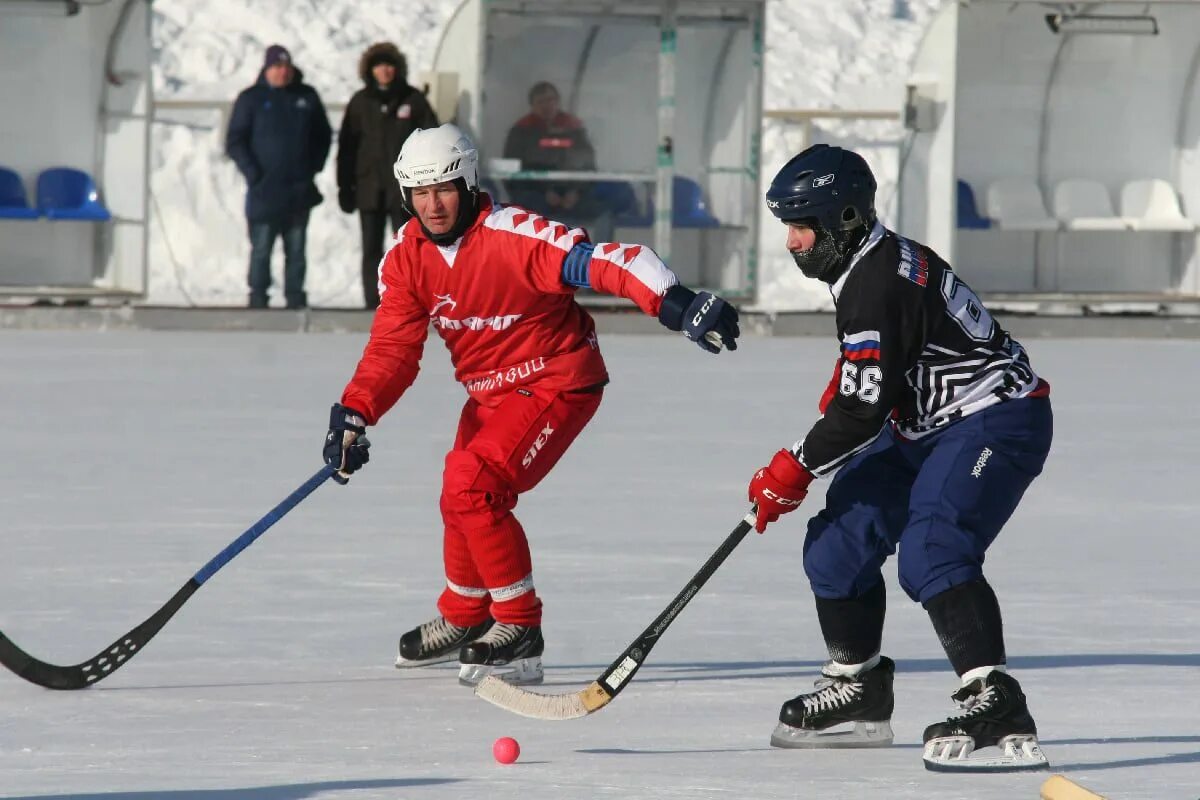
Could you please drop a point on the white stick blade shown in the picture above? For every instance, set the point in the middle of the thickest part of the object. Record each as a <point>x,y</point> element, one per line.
<point>531,704</point>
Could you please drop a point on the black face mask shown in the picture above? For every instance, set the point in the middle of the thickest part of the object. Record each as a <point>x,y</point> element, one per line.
<point>830,254</point>
<point>823,259</point>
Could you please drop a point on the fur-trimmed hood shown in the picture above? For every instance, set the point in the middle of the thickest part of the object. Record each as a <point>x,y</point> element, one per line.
<point>378,53</point>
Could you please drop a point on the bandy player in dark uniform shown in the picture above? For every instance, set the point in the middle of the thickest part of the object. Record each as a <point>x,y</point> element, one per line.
<point>933,426</point>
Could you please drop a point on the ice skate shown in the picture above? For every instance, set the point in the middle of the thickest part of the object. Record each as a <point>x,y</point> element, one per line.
<point>436,641</point>
<point>512,653</point>
<point>849,709</point>
<point>996,717</point>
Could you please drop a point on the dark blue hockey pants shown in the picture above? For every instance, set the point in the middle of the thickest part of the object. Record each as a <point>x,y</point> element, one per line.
<point>941,499</point>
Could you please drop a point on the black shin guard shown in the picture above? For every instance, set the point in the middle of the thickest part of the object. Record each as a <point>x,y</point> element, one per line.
<point>967,621</point>
<point>853,628</point>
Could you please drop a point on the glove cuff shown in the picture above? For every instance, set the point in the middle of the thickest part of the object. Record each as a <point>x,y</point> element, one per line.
<point>674,305</point>
<point>788,470</point>
<point>345,418</point>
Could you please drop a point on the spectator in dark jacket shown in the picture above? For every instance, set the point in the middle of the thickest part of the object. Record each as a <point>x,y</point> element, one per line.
<point>548,138</point>
<point>279,138</point>
<point>379,118</point>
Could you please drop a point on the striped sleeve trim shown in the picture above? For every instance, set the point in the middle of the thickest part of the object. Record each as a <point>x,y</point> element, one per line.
<point>640,262</point>
<point>515,219</point>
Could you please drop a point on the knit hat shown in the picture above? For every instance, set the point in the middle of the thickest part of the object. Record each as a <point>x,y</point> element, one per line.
<point>277,54</point>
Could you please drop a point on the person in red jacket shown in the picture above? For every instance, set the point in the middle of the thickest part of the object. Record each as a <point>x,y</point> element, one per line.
<point>497,284</point>
<point>548,138</point>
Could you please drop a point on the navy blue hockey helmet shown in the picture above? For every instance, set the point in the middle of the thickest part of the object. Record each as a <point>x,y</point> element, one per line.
<point>830,184</point>
<point>833,191</point>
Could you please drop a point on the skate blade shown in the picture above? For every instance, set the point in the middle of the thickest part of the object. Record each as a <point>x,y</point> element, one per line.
<point>522,672</point>
<point>862,734</point>
<point>404,663</point>
<point>1018,753</point>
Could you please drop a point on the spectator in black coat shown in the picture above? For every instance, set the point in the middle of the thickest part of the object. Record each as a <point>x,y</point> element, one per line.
<point>279,137</point>
<point>379,118</point>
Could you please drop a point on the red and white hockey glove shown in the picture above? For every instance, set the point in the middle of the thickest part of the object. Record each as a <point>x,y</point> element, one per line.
<point>778,488</point>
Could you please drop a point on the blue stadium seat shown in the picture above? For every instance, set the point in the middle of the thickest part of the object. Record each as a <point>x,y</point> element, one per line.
<point>12,197</point>
<point>690,210</point>
<point>968,213</point>
<point>65,193</point>
<point>620,199</point>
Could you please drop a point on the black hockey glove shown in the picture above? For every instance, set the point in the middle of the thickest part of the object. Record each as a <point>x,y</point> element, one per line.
<point>702,316</point>
<point>347,200</point>
<point>346,446</point>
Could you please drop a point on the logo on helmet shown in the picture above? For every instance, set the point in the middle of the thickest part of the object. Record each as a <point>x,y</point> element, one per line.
<point>772,204</point>
<point>422,171</point>
<point>823,180</point>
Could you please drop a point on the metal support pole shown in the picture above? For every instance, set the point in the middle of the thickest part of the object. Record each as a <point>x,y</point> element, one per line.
<point>665,171</point>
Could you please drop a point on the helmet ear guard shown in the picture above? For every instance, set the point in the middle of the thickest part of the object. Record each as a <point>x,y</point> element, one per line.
<point>853,218</point>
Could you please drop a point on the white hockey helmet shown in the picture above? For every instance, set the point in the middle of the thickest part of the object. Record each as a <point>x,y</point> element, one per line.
<point>435,155</point>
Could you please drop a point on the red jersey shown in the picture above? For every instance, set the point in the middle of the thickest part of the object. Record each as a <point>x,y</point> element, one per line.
<point>498,300</point>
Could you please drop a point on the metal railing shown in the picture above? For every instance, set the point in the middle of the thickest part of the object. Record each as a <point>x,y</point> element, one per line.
<point>805,117</point>
<point>802,116</point>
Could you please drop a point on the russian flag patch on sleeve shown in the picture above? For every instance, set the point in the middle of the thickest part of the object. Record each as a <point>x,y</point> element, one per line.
<point>914,264</point>
<point>860,346</point>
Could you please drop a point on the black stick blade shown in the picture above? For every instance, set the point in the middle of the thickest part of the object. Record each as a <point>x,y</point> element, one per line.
<point>100,666</point>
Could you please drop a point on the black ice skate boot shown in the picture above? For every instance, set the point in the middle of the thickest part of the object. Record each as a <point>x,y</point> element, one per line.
<point>516,647</point>
<point>995,716</point>
<point>859,700</point>
<point>436,641</point>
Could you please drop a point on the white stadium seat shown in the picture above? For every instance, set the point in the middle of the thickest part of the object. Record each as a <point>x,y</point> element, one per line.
<point>1015,204</point>
<point>1082,204</point>
<point>1152,205</point>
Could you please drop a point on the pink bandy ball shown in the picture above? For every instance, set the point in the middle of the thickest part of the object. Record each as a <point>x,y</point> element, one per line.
<point>506,750</point>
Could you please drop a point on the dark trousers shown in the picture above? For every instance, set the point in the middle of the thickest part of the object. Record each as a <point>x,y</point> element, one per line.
<point>372,225</point>
<point>941,499</point>
<point>294,231</point>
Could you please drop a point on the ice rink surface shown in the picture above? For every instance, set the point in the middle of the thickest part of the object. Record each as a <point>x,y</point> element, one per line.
<point>130,459</point>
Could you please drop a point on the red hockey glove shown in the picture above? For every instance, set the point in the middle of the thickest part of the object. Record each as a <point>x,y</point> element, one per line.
<point>778,488</point>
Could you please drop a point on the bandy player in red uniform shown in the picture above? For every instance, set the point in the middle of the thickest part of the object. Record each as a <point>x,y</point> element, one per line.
<point>497,283</point>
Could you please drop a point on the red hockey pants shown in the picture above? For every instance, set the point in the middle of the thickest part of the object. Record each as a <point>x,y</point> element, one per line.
<point>499,453</point>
